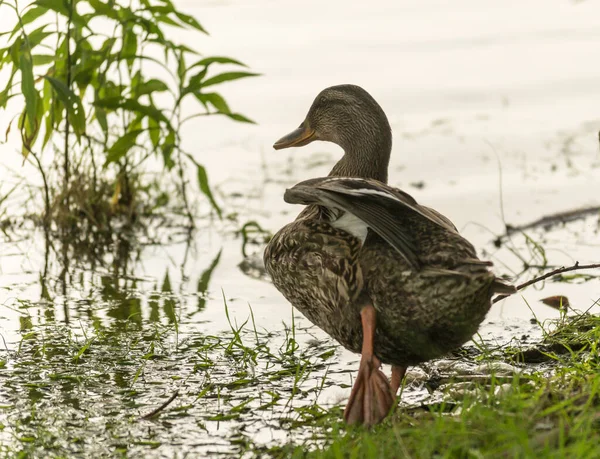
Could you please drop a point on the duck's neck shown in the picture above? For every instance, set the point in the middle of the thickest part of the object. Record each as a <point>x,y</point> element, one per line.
<point>365,157</point>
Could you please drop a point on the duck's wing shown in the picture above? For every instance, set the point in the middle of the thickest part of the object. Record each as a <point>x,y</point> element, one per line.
<point>378,205</point>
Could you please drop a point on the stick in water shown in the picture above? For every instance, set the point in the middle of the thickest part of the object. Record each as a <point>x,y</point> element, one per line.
<point>161,407</point>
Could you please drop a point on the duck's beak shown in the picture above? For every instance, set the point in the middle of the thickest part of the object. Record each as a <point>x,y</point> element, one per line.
<point>303,135</point>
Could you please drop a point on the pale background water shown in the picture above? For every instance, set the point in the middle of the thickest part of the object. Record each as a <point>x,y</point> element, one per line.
<point>489,102</point>
<point>466,85</point>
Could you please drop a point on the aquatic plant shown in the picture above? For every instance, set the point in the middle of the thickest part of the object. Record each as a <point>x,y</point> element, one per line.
<point>97,87</point>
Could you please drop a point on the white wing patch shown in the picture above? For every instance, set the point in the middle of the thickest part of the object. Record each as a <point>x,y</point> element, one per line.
<point>360,191</point>
<point>370,191</point>
<point>353,225</point>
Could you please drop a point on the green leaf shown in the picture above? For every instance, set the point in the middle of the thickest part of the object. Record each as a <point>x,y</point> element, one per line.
<point>122,146</point>
<point>57,110</point>
<point>181,67</point>
<point>83,76</point>
<point>31,131</point>
<point>72,104</point>
<point>136,80</point>
<point>47,96</point>
<point>28,88</point>
<point>227,76</point>
<point>205,188</point>
<point>129,45</point>
<point>150,86</point>
<point>43,59</point>
<point>31,15</point>
<point>186,49</point>
<point>103,9</point>
<point>167,20</point>
<point>136,123</point>
<point>169,3</point>
<point>218,60</point>
<point>49,129</point>
<point>240,118</point>
<point>15,51</point>
<point>216,100</point>
<point>160,9</point>
<point>167,149</point>
<point>132,105</point>
<point>194,86</point>
<point>58,6</point>
<point>101,117</point>
<point>154,132</point>
<point>191,21</point>
<point>149,27</point>
<point>62,7</point>
<point>37,36</point>
<point>221,105</point>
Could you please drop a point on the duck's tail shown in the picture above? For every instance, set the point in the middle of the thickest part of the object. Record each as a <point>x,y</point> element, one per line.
<point>498,285</point>
<point>503,287</point>
<point>474,268</point>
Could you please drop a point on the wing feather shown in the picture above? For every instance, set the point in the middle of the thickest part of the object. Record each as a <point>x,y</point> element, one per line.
<point>379,206</point>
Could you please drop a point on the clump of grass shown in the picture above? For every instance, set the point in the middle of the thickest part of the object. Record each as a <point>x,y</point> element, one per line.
<point>102,212</point>
<point>574,334</point>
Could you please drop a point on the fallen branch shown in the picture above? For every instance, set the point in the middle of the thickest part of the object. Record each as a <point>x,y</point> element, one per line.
<point>161,407</point>
<point>575,267</point>
<point>547,221</point>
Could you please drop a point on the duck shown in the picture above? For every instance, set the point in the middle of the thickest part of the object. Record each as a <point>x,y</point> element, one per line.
<point>384,276</point>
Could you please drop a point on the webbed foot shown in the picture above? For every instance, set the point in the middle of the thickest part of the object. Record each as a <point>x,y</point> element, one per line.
<point>371,398</point>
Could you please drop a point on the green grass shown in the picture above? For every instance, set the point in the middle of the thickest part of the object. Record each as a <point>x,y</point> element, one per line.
<point>552,410</point>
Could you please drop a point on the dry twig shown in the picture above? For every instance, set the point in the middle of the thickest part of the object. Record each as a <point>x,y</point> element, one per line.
<point>161,407</point>
<point>548,221</point>
<point>575,267</point>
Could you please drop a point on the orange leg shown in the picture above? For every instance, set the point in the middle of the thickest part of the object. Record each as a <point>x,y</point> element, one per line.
<point>371,398</point>
<point>397,377</point>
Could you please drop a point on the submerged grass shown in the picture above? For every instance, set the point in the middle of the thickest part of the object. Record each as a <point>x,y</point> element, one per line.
<point>94,390</point>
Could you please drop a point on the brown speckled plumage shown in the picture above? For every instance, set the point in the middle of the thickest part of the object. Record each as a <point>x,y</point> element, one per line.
<point>428,288</point>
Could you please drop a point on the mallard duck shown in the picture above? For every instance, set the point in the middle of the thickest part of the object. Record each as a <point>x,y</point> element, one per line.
<point>381,274</point>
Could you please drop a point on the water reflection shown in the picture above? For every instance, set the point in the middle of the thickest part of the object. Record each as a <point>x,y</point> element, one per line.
<point>96,282</point>
<point>204,280</point>
<point>100,342</point>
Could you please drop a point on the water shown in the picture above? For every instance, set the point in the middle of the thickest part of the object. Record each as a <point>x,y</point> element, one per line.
<point>494,110</point>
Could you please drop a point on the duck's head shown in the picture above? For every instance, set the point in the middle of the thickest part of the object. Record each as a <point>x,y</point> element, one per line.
<point>348,116</point>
